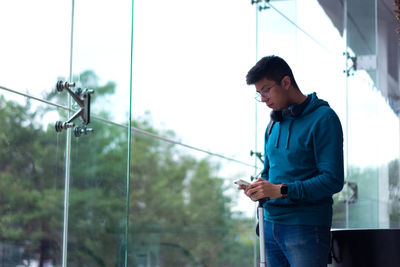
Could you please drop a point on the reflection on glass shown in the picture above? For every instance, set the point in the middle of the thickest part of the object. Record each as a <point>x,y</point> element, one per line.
<point>363,160</point>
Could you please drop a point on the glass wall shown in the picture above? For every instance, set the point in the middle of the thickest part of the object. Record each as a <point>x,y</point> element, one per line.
<point>362,113</point>
<point>98,162</point>
<point>149,182</point>
<point>373,126</point>
<point>90,200</point>
<point>33,54</point>
<point>64,198</point>
<point>190,60</point>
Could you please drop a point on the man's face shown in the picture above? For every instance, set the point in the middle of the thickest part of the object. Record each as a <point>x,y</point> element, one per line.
<point>273,94</point>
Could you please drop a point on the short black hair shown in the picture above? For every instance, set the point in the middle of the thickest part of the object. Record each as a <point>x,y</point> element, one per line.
<point>271,67</point>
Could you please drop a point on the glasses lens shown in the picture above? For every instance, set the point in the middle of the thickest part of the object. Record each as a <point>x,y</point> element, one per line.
<point>258,97</point>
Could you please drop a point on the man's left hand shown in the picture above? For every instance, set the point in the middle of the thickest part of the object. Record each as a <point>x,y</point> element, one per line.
<point>263,189</point>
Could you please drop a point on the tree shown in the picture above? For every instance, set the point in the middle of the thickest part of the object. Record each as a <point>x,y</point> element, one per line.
<point>30,196</point>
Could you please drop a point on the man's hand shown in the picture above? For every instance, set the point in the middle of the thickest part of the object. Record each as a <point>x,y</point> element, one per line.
<point>242,187</point>
<point>262,189</point>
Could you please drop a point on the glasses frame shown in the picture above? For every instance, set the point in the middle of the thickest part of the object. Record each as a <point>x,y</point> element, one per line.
<point>263,93</point>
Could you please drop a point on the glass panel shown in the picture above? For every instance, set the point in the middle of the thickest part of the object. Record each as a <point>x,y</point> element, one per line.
<point>31,184</point>
<point>97,201</point>
<point>363,147</point>
<point>373,155</point>
<point>98,187</point>
<point>34,52</point>
<point>363,159</point>
<point>185,209</point>
<point>361,33</point>
<point>189,78</point>
<point>97,220</point>
<point>388,52</point>
<point>102,54</point>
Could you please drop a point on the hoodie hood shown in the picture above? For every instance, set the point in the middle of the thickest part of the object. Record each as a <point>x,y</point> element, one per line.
<point>313,103</point>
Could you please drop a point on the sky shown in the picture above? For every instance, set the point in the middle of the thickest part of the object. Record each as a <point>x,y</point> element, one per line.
<point>189,64</point>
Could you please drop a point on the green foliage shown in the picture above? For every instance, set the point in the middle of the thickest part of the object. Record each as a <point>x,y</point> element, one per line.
<point>30,195</point>
<point>178,212</point>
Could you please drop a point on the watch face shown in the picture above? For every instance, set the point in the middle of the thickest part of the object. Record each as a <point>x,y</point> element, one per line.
<point>284,190</point>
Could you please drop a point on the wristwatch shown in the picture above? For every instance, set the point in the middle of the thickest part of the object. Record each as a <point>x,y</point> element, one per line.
<point>284,191</point>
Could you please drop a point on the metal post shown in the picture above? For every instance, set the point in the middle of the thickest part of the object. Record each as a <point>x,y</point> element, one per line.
<point>260,210</point>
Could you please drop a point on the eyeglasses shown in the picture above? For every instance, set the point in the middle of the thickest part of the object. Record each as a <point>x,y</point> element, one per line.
<point>263,93</point>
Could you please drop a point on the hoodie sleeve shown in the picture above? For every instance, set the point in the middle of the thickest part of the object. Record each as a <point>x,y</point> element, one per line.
<point>327,139</point>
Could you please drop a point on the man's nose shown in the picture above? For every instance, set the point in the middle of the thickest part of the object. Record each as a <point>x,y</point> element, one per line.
<point>264,98</point>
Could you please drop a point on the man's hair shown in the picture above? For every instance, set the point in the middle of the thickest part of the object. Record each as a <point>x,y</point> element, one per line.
<point>271,67</point>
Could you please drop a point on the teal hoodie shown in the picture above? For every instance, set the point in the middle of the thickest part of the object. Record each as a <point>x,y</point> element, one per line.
<point>306,154</point>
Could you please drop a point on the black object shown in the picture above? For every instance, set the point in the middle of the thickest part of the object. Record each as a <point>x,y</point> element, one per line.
<point>293,110</point>
<point>82,98</point>
<point>366,248</point>
<point>258,155</point>
<point>284,191</point>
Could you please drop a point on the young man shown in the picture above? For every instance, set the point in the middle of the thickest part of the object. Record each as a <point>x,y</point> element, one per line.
<point>303,168</point>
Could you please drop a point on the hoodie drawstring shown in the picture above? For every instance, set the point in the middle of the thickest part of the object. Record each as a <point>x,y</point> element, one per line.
<point>289,133</point>
<point>279,135</point>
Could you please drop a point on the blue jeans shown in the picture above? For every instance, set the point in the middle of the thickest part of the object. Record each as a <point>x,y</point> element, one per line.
<point>296,245</point>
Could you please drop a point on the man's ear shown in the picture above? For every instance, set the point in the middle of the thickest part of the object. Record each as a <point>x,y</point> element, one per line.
<point>286,82</point>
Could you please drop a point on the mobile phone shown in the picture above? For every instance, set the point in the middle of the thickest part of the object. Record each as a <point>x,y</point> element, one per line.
<point>241,182</point>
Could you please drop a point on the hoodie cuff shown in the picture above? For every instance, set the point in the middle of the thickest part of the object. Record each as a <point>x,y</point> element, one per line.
<point>295,190</point>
